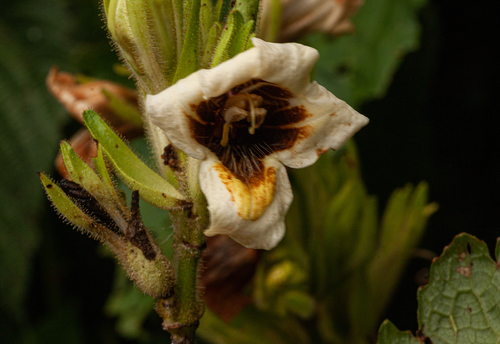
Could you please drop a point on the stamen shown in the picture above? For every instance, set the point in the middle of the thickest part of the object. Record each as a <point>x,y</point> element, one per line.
<point>225,134</point>
<point>251,129</point>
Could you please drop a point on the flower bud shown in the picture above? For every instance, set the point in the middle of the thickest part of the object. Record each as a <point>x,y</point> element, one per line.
<point>145,35</point>
<point>147,267</point>
<point>143,259</point>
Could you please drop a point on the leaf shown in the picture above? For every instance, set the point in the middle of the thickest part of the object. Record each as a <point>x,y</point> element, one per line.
<point>64,205</point>
<point>389,334</point>
<point>208,51</point>
<point>234,23</point>
<point>165,39</point>
<point>354,260</point>
<point>100,166</point>
<point>247,328</point>
<point>102,170</point>
<point>82,174</point>
<point>402,226</point>
<point>126,112</point>
<point>299,303</point>
<point>205,20</point>
<point>131,169</point>
<point>129,304</point>
<point>217,11</point>
<point>461,303</point>
<point>249,9</point>
<point>188,61</point>
<point>360,66</point>
<point>78,217</point>
<point>240,39</point>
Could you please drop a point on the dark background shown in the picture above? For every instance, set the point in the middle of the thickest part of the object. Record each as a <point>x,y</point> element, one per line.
<point>438,122</point>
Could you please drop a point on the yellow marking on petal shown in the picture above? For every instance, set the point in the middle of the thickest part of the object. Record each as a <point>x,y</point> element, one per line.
<point>225,134</point>
<point>252,196</point>
<point>238,189</point>
<point>263,187</point>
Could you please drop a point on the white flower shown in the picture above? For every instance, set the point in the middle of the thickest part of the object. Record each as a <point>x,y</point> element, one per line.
<point>245,118</point>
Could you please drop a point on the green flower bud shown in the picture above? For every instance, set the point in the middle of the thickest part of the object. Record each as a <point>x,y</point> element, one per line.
<point>145,33</point>
<point>143,259</point>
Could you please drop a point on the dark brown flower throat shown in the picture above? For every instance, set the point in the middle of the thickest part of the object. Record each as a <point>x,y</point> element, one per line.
<point>243,152</point>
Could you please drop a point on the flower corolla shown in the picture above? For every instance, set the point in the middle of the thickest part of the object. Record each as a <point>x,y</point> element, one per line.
<point>246,119</point>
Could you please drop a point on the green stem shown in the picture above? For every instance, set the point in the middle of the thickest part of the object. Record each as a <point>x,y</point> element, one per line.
<point>181,313</point>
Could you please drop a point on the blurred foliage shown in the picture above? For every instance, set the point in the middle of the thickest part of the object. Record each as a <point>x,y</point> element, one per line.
<point>338,264</point>
<point>461,302</point>
<point>31,123</point>
<point>359,67</point>
<point>34,36</point>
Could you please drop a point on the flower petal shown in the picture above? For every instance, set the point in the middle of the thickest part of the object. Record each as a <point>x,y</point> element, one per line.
<point>330,124</point>
<point>252,212</point>
<point>288,65</point>
<point>170,110</point>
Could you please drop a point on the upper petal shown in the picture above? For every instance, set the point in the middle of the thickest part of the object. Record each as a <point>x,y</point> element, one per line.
<point>170,110</point>
<point>288,65</point>
<point>252,212</point>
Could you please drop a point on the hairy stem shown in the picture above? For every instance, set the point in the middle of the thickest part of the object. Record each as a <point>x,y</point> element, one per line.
<point>181,313</point>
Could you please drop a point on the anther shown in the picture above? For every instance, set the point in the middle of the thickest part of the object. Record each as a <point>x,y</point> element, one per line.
<point>225,134</point>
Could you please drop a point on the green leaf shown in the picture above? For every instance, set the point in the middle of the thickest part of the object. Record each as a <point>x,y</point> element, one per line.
<point>249,9</point>
<point>100,166</point>
<point>188,61</point>
<point>249,42</point>
<point>126,112</point>
<point>208,51</point>
<point>76,216</point>
<point>165,38</point>
<point>360,66</point>
<point>205,20</point>
<point>234,23</point>
<point>102,170</point>
<point>389,334</point>
<point>64,205</point>
<point>461,303</point>
<point>402,226</point>
<point>129,304</point>
<point>240,39</point>
<point>178,15</point>
<point>299,303</point>
<point>217,11</point>
<point>247,328</point>
<point>130,168</point>
<point>82,174</point>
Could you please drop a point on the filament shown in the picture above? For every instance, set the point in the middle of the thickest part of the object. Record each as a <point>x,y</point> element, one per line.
<point>251,129</point>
